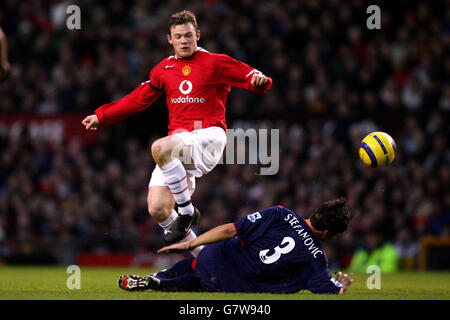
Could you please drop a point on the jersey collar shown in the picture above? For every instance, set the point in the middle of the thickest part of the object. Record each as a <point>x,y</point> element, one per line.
<point>311,229</point>
<point>197,50</point>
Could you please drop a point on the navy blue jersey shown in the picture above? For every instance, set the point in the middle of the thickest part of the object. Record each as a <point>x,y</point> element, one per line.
<point>275,251</point>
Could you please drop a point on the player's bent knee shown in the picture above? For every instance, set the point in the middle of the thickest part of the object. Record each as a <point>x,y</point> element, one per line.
<point>157,148</point>
<point>161,150</point>
<point>165,149</point>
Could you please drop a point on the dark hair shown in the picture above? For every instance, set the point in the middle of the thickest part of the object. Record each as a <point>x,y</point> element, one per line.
<point>332,216</point>
<point>183,17</point>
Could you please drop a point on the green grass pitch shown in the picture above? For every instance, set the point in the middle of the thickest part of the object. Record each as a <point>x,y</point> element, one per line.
<point>49,283</point>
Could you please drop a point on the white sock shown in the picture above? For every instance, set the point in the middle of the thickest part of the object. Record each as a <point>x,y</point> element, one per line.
<point>166,223</point>
<point>191,236</point>
<point>187,209</point>
<point>175,176</point>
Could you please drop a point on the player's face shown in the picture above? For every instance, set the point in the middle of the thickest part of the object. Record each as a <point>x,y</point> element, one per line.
<point>183,38</point>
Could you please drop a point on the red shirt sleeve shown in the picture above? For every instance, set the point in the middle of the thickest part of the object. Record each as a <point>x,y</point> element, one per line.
<point>238,74</point>
<point>139,99</point>
<point>155,78</point>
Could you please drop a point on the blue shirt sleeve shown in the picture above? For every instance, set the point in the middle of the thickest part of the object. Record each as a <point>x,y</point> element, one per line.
<point>322,282</point>
<point>254,225</point>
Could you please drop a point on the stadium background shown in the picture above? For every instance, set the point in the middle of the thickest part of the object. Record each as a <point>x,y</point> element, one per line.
<point>68,195</point>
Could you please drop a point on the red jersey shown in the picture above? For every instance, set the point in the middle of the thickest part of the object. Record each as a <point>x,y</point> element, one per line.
<point>196,91</point>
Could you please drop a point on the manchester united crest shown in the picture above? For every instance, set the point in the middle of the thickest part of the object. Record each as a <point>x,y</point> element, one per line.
<point>186,70</point>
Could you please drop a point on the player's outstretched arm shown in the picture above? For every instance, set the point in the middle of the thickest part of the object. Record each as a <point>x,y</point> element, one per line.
<point>239,74</point>
<point>222,232</point>
<point>139,99</point>
<point>345,279</point>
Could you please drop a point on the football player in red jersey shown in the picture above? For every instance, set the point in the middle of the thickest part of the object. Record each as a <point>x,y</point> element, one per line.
<point>196,83</point>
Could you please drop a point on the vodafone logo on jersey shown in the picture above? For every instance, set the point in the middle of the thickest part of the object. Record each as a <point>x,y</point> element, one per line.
<point>185,84</point>
<point>186,88</point>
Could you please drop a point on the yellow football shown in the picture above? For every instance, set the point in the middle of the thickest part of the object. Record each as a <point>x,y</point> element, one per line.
<point>377,149</point>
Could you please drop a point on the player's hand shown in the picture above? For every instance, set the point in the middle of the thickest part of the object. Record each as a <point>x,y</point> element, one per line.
<point>90,122</point>
<point>259,80</point>
<point>176,247</point>
<point>344,279</point>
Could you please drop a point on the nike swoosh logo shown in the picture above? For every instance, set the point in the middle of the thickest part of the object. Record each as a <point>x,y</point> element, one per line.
<point>169,66</point>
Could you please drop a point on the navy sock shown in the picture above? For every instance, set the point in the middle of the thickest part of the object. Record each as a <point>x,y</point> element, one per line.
<point>180,277</point>
<point>186,282</point>
<point>178,269</point>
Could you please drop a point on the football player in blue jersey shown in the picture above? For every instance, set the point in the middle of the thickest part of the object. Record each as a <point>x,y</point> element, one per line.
<point>272,251</point>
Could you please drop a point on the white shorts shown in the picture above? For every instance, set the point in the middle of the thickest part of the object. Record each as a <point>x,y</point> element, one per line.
<point>207,146</point>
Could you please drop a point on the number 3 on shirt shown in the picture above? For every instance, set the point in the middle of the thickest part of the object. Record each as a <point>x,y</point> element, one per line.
<point>278,251</point>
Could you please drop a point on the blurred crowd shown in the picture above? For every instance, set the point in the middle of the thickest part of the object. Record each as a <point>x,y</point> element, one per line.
<point>334,81</point>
